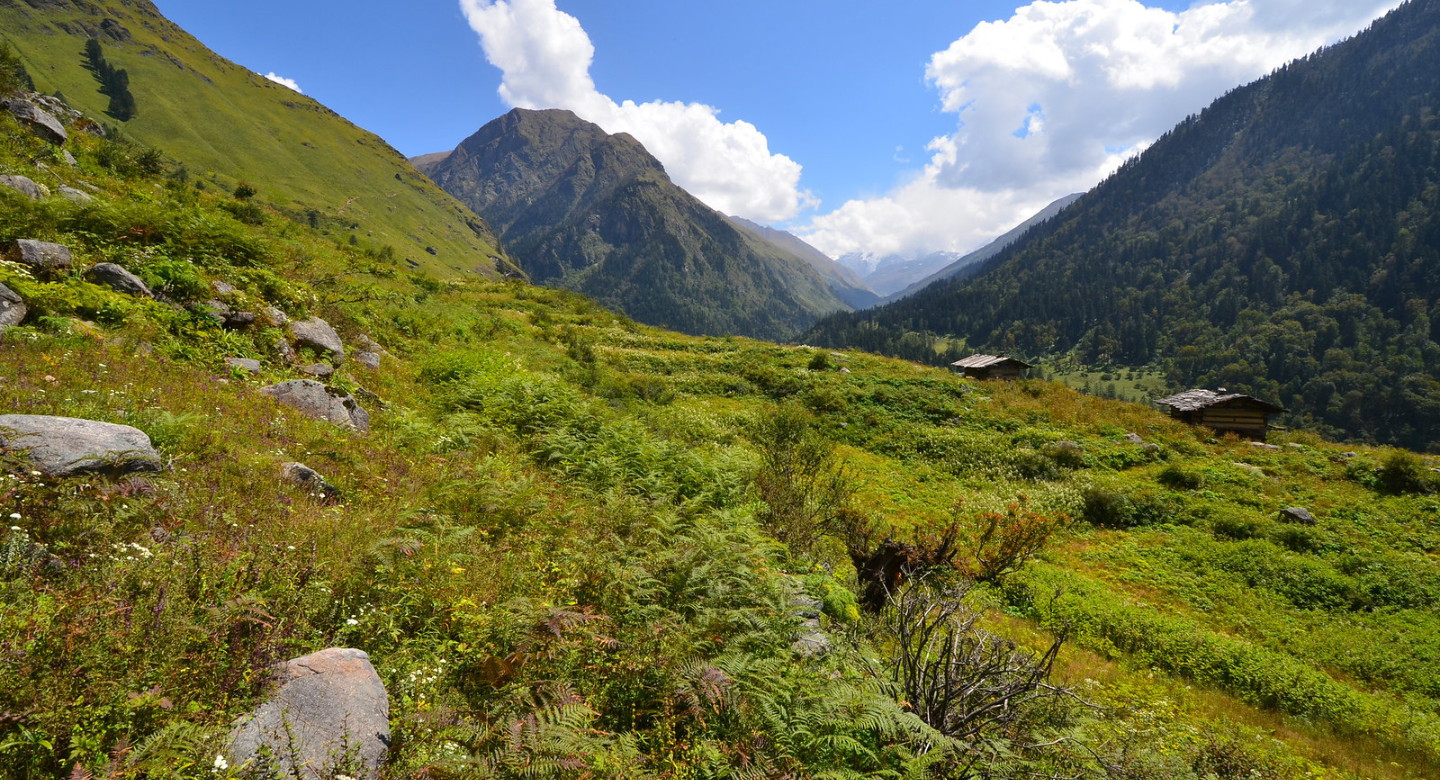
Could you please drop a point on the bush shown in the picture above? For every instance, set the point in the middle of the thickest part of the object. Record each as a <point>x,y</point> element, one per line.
<point>1178,478</point>
<point>1403,472</point>
<point>820,362</point>
<point>1238,528</point>
<point>1108,508</point>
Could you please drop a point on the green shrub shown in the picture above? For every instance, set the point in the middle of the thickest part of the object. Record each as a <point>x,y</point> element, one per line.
<point>1238,528</point>
<point>1178,478</point>
<point>1404,472</point>
<point>1108,508</point>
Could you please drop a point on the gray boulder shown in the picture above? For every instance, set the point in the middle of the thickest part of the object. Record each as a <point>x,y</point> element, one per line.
<point>43,256</point>
<point>64,446</point>
<point>302,476</point>
<point>246,365</point>
<point>284,351</point>
<point>40,121</point>
<point>1297,514</point>
<point>318,370</point>
<point>369,360</point>
<point>319,402</point>
<point>276,317</point>
<point>317,334</point>
<point>22,185</point>
<point>12,308</point>
<point>118,279</point>
<point>1134,438</point>
<point>69,158</point>
<point>75,196</point>
<point>330,715</point>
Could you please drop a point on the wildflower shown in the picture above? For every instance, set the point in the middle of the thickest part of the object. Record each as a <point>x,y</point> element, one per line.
<point>16,528</point>
<point>220,763</point>
<point>14,515</point>
<point>352,622</point>
<point>291,548</point>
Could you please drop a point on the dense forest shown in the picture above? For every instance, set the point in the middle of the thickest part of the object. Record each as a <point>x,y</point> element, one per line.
<point>1285,241</point>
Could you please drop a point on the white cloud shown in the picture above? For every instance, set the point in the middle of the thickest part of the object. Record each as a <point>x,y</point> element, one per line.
<point>1053,99</point>
<point>545,55</point>
<point>284,82</point>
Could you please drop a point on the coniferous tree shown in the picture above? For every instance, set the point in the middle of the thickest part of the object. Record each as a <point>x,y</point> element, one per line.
<point>114,82</point>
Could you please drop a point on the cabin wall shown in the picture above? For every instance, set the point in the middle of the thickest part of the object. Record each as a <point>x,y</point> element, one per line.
<point>1248,423</point>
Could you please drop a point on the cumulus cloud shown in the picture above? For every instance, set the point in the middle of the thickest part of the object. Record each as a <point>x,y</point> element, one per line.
<point>284,82</point>
<point>544,56</point>
<point>1053,99</point>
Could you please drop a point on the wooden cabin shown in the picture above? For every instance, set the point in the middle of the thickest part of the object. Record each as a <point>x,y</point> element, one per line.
<point>991,367</point>
<point>1223,412</point>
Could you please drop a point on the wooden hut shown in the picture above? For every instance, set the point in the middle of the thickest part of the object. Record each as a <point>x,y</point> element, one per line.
<point>1223,412</point>
<point>991,367</point>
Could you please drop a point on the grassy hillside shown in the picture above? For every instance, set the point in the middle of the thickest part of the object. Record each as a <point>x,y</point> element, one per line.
<point>1284,242</point>
<point>571,544</point>
<point>227,124</point>
<point>593,212</point>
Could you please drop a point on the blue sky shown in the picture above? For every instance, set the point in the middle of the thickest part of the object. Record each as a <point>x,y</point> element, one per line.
<point>850,92</point>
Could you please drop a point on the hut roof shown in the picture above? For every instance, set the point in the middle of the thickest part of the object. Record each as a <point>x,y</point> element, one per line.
<point>1195,400</point>
<point>989,361</point>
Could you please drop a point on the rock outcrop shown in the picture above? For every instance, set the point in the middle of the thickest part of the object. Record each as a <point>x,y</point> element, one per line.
<point>43,256</point>
<point>317,401</point>
<point>118,279</point>
<point>1298,515</point>
<point>40,121</point>
<point>369,360</point>
<point>23,185</point>
<point>12,308</point>
<point>302,476</point>
<point>317,334</point>
<point>65,446</point>
<point>329,716</point>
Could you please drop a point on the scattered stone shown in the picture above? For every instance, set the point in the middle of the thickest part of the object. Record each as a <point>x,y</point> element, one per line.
<point>241,320</point>
<point>90,127</point>
<point>1260,445</point>
<point>1295,446</point>
<point>1134,438</point>
<point>844,370</point>
<point>216,311</point>
<point>369,360</point>
<point>302,476</point>
<point>317,401</point>
<point>43,256</point>
<point>88,187</point>
<point>1349,455</point>
<point>64,446</point>
<point>369,345</point>
<point>23,186</point>
<point>40,121</point>
<point>1299,515</point>
<point>223,289</point>
<point>1153,450</point>
<point>329,714</point>
<point>68,158</point>
<point>248,365</point>
<point>276,317</point>
<point>75,196</point>
<point>118,279</point>
<point>371,398</point>
<point>284,351</point>
<point>318,370</point>
<point>12,308</point>
<point>318,335</point>
<point>809,641</point>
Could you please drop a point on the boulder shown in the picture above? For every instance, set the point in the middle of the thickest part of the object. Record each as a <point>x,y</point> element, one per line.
<point>319,402</point>
<point>75,196</point>
<point>23,186</point>
<point>222,289</point>
<point>12,308</point>
<point>317,334</point>
<point>69,158</point>
<point>246,365</point>
<point>240,320</point>
<point>215,311</point>
<point>284,351</point>
<point>1297,514</point>
<point>64,446</point>
<point>329,715</point>
<point>302,476</point>
<point>1134,438</point>
<point>369,360</point>
<point>43,256</point>
<point>90,127</point>
<point>276,317</point>
<point>1260,445</point>
<point>118,279</point>
<point>40,121</point>
<point>318,370</point>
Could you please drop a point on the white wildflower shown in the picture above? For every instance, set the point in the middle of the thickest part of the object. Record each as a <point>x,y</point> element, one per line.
<point>220,763</point>
<point>352,622</point>
<point>14,515</point>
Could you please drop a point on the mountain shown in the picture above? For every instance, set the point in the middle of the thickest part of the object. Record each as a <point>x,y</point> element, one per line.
<point>970,263</point>
<point>1285,243</point>
<point>889,274</point>
<point>225,123</point>
<point>844,282</point>
<point>596,213</point>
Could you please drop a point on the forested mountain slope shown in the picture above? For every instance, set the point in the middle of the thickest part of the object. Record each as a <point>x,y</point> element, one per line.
<point>226,124</point>
<point>593,212</point>
<point>1286,241</point>
<point>846,284</point>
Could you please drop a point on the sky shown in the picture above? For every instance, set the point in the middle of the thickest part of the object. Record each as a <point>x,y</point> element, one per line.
<point>905,127</point>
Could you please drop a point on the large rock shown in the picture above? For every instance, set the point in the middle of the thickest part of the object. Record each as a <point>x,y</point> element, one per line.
<point>315,400</point>
<point>22,185</point>
<point>12,308</point>
<point>75,196</point>
<point>306,478</point>
<point>246,365</point>
<point>1297,514</point>
<point>319,336</point>
<point>43,256</point>
<point>320,371</point>
<point>329,716</point>
<point>40,121</point>
<point>369,360</point>
<point>118,279</point>
<point>64,446</point>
